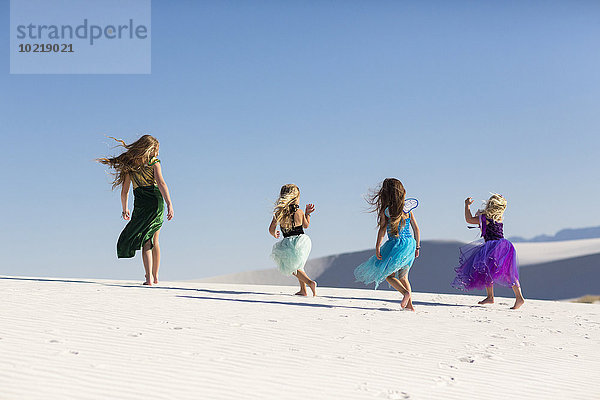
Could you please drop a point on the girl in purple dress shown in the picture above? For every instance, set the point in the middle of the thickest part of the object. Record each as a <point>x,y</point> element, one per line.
<point>495,260</point>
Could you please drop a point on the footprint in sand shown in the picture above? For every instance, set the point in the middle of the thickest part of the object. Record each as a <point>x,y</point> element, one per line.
<point>364,386</point>
<point>444,380</point>
<point>527,344</point>
<point>446,366</point>
<point>394,395</point>
<point>467,359</point>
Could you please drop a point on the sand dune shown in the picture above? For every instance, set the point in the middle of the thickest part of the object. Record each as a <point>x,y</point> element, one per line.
<point>542,252</point>
<point>92,339</point>
<point>553,270</point>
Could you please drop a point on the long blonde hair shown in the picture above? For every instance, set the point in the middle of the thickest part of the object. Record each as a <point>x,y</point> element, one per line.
<point>495,207</point>
<point>136,155</point>
<point>390,195</point>
<point>284,216</point>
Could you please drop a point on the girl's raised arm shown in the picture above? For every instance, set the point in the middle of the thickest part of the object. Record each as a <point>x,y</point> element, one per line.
<point>310,208</point>
<point>468,216</point>
<point>125,197</point>
<point>164,190</point>
<point>416,232</point>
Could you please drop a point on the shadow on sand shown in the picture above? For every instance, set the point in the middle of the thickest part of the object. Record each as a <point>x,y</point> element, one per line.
<point>140,286</point>
<point>289,303</point>
<point>238,293</point>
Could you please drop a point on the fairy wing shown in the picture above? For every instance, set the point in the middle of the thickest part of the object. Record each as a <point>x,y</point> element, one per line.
<point>410,204</point>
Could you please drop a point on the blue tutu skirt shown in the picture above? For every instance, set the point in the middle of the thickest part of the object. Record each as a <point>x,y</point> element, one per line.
<point>397,255</point>
<point>483,264</point>
<point>291,253</point>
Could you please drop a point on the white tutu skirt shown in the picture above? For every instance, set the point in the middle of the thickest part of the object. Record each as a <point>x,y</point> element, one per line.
<point>291,253</point>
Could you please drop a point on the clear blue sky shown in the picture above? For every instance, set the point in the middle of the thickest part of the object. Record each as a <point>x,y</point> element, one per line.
<point>454,98</point>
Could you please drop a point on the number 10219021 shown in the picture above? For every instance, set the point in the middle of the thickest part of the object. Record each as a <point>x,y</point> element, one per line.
<point>46,48</point>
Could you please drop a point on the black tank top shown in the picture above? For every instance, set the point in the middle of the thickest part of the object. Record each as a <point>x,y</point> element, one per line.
<point>296,230</point>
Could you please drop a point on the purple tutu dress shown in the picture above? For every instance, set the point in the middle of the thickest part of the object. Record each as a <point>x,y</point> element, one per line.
<point>492,262</point>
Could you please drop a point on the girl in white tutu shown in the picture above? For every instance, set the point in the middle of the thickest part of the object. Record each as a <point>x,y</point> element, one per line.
<point>291,253</point>
<point>396,256</point>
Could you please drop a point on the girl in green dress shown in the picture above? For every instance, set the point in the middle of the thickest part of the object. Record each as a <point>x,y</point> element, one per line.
<point>138,166</point>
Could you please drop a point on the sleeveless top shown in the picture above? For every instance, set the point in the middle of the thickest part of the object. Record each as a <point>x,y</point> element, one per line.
<point>296,230</point>
<point>492,231</point>
<point>402,233</point>
<point>144,176</point>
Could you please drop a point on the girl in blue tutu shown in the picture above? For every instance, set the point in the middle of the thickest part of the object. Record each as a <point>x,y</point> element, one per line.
<point>398,253</point>
<point>290,253</point>
<point>483,264</point>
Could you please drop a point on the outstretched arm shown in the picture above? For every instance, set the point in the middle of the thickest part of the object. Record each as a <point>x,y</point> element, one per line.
<point>416,231</point>
<point>164,190</point>
<point>468,216</point>
<point>273,228</point>
<point>125,197</point>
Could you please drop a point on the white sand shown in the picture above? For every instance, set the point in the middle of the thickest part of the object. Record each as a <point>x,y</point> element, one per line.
<point>541,252</point>
<point>116,340</point>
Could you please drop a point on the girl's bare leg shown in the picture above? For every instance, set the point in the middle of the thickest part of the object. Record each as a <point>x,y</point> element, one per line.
<point>399,286</point>
<point>302,291</point>
<point>519,297</point>
<point>147,260</point>
<point>301,275</point>
<point>490,295</point>
<point>155,257</point>
<point>406,284</point>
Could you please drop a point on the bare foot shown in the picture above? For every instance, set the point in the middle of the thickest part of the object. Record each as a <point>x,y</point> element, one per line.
<point>147,283</point>
<point>405,300</point>
<point>518,304</point>
<point>156,281</point>
<point>313,286</point>
<point>487,300</point>
<point>300,293</point>
<point>410,307</point>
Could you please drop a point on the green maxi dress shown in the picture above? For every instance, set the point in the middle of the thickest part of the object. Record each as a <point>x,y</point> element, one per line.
<point>147,216</point>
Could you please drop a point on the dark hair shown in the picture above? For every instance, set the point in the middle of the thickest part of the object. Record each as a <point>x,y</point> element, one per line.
<point>390,195</point>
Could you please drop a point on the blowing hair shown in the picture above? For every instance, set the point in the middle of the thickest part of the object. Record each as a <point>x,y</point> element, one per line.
<point>495,207</point>
<point>283,212</point>
<point>136,155</point>
<point>391,195</point>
